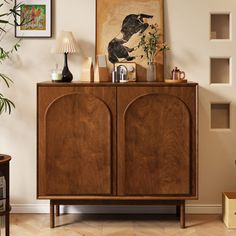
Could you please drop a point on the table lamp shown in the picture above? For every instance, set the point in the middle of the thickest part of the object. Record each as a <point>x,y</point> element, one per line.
<point>66,43</point>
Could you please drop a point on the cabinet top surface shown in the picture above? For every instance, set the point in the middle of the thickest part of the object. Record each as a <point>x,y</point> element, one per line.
<point>110,84</point>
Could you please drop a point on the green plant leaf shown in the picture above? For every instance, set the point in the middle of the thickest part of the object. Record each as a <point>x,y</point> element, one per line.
<point>2,29</point>
<point>4,14</point>
<point>6,105</point>
<point>4,21</point>
<point>150,42</point>
<point>6,79</point>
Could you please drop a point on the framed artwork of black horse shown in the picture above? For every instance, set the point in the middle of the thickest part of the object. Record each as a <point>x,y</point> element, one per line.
<point>120,25</point>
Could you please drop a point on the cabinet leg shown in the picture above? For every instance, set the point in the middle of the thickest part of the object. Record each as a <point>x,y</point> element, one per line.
<point>177,210</point>
<point>52,219</point>
<point>57,210</point>
<point>182,214</point>
<point>7,224</point>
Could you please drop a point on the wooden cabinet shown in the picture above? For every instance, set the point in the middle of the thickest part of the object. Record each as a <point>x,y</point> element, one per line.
<point>103,143</point>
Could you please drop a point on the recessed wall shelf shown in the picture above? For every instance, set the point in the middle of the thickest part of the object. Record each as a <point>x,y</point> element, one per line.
<point>220,70</point>
<point>220,115</point>
<point>220,26</point>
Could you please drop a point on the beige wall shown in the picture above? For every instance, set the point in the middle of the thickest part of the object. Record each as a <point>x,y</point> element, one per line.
<point>187,28</point>
<point>187,31</point>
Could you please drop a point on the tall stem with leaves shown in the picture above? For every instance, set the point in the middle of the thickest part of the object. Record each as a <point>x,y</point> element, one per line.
<point>7,21</point>
<point>151,43</point>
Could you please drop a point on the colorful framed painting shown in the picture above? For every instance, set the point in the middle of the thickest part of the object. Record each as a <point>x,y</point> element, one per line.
<point>34,19</point>
<point>119,28</point>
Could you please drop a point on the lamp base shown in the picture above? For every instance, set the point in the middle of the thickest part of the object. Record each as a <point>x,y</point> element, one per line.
<point>66,75</point>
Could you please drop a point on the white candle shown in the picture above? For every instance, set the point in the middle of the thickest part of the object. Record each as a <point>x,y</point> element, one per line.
<point>56,76</point>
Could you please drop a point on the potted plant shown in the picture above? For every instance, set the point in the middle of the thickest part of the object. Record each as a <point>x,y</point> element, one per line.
<point>7,20</point>
<point>151,44</point>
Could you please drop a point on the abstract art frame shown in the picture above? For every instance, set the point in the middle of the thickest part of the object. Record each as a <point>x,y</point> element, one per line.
<point>121,24</point>
<point>36,16</point>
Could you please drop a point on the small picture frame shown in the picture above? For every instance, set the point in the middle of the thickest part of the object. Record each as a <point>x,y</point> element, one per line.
<point>36,16</point>
<point>131,68</point>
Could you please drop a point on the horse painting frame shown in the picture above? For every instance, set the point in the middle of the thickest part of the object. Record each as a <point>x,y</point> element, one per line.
<point>119,27</point>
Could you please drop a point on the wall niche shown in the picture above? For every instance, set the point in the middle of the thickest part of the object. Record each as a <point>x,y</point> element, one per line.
<point>220,115</point>
<point>220,70</point>
<point>220,26</point>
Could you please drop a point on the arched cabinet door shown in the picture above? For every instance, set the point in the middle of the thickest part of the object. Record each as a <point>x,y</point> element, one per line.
<point>76,142</point>
<point>154,144</point>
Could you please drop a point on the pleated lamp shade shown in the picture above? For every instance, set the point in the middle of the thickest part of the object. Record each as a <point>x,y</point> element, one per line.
<point>66,43</point>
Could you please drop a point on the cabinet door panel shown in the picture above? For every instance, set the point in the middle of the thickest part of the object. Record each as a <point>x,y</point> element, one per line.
<point>154,143</point>
<point>77,141</point>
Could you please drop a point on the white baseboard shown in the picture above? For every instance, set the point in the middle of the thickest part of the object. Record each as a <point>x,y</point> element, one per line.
<point>30,208</point>
<point>190,209</point>
<point>203,209</point>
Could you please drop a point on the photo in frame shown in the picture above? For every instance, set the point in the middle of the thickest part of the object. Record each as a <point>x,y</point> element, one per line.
<point>119,27</point>
<point>36,16</point>
<point>131,69</point>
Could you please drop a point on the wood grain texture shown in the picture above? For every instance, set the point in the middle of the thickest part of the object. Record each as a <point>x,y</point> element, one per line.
<point>148,130</point>
<point>117,144</point>
<point>75,132</point>
<point>78,154</point>
<point>182,214</point>
<point>119,198</point>
<point>52,218</point>
<point>157,146</point>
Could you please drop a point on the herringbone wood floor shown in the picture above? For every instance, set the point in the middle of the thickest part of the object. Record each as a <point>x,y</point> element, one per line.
<point>117,225</point>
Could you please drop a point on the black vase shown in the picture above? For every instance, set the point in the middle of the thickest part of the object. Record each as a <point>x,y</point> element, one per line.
<point>66,74</point>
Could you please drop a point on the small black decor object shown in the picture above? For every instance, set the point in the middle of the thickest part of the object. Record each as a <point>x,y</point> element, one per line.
<point>66,74</point>
<point>66,44</point>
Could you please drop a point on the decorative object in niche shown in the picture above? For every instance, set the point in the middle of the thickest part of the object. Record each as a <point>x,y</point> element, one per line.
<point>36,16</point>
<point>65,44</point>
<point>131,68</point>
<point>118,34</point>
